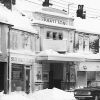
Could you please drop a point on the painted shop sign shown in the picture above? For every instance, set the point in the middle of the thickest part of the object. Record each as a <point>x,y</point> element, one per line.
<point>22,59</point>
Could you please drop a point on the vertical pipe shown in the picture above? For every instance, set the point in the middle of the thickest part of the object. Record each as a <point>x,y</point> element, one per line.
<point>9,63</point>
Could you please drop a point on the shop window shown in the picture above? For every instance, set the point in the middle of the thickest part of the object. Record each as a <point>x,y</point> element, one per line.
<point>94,43</point>
<point>17,78</point>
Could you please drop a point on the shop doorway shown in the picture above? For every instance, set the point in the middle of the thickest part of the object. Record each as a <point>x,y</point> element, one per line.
<point>55,75</point>
<point>27,79</point>
<point>2,67</point>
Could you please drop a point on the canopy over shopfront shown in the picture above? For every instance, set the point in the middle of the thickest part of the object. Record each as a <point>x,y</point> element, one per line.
<point>52,55</point>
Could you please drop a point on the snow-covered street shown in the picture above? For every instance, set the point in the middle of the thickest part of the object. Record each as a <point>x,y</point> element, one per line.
<point>46,94</point>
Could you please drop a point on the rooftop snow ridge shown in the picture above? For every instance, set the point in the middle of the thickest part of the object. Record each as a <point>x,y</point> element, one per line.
<point>54,12</point>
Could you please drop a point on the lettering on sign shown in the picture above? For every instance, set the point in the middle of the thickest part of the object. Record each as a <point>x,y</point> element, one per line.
<point>16,59</point>
<point>65,22</point>
<point>54,19</point>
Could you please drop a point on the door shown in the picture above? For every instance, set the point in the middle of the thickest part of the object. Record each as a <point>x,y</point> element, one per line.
<point>27,79</point>
<point>1,76</point>
<point>55,75</point>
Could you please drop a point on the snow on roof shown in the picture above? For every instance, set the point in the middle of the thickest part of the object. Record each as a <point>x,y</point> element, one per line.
<point>48,52</point>
<point>76,55</point>
<point>54,12</point>
<point>4,14</point>
<point>88,25</point>
<point>21,22</point>
<point>15,18</point>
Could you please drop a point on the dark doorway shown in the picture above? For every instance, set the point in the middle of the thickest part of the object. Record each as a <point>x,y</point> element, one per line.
<point>1,76</point>
<point>55,75</point>
<point>27,77</point>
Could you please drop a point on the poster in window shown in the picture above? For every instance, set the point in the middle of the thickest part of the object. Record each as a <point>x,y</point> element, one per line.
<point>45,76</point>
<point>72,74</point>
<point>17,72</point>
<point>38,74</point>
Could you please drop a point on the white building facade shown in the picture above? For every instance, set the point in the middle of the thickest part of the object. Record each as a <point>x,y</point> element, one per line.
<point>58,56</point>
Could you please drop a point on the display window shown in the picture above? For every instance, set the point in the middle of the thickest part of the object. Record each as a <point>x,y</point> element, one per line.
<point>17,78</point>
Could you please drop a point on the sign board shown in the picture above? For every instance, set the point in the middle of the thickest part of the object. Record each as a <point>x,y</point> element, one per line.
<point>49,19</point>
<point>21,59</point>
<point>89,66</point>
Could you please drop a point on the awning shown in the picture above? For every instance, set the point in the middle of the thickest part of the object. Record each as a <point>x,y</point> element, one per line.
<point>51,55</point>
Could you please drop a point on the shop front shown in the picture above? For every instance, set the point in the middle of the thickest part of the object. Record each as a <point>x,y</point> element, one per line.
<point>58,70</point>
<point>3,74</point>
<point>88,74</point>
<point>21,67</point>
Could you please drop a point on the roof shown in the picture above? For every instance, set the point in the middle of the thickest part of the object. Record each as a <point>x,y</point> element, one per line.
<point>16,19</point>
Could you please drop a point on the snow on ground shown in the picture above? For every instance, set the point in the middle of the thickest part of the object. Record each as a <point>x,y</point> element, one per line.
<point>46,94</point>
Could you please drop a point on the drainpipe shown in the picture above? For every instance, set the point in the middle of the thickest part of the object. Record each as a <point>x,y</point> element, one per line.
<point>9,63</point>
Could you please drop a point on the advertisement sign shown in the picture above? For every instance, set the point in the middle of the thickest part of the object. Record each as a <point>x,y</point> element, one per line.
<point>72,74</point>
<point>89,66</point>
<point>38,73</point>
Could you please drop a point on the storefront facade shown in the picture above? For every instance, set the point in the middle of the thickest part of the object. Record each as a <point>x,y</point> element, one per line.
<point>56,32</point>
<point>21,60</point>
<point>21,67</point>
<point>88,74</point>
<point>4,30</point>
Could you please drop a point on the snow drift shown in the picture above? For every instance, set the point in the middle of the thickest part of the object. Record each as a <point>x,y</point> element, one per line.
<point>46,94</point>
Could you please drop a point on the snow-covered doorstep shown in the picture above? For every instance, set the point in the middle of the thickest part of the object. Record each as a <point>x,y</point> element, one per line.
<point>46,94</point>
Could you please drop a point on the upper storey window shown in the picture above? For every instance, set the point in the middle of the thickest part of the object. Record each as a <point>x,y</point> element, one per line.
<point>87,42</point>
<point>54,35</point>
<point>20,40</point>
<point>94,43</point>
<point>48,34</point>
